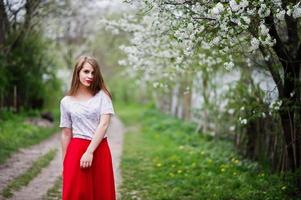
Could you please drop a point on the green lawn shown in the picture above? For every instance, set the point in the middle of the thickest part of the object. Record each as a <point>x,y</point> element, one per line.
<point>164,159</point>
<point>16,134</point>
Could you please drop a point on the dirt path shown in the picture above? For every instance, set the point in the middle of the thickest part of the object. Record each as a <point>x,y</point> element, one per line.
<point>115,138</point>
<point>39,186</point>
<point>23,159</point>
<point>41,183</point>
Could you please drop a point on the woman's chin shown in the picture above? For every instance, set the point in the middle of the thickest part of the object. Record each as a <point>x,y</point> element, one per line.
<point>86,84</point>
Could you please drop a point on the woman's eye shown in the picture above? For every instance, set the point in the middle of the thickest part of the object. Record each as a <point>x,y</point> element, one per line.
<point>87,72</point>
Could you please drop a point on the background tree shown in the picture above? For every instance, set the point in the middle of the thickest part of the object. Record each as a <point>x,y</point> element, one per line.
<point>170,33</point>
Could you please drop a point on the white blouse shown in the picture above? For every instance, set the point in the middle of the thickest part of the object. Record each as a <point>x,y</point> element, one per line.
<point>84,116</point>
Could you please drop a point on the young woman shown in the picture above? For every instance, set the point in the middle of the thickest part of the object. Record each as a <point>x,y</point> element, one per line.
<point>85,116</point>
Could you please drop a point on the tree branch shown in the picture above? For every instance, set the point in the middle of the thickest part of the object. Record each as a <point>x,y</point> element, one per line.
<point>275,74</point>
<point>279,47</point>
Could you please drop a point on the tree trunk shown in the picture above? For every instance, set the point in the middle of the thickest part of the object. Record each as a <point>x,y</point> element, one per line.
<point>4,24</point>
<point>289,55</point>
<point>288,114</point>
<point>187,98</point>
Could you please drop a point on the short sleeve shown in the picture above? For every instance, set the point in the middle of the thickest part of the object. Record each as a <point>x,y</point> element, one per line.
<point>106,105</point>
<point>65,119</point>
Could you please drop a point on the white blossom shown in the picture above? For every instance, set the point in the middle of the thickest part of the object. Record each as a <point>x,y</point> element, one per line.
<point>122,62</point>
<point>232,128</point>
<point>216,40</point>
<point>289,11</point>
<point>246,19</point>
<point>267,57</point>
<point>155,84</point>
<point>264,11</point>
<point>242,121</point>
<point>254,44</point>
<point>231,111</point>
<point>269,41</point>
<point>217,9</point>
<point>296,12</point>
<point>233,5</point>
<point>275,105</point>
<point>263,29</point>
<point>229,65</point>
<point>244,3</point>
<point>249,63</point>
<point>280,14</point>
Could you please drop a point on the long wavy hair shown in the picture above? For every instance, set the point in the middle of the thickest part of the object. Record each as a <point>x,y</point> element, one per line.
<point>97,83</point>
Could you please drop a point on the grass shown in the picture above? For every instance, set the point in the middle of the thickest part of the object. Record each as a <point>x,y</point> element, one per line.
<point>55,192</point>
<point>164,158</point>
<point>29,174</point>
<point>15,134</point>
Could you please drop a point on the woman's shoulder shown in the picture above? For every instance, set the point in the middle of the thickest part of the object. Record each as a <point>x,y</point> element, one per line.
<point>64,99</point>
<point>104,94</point>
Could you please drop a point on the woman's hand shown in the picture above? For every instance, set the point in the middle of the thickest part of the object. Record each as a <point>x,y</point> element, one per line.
<point>86,160</point>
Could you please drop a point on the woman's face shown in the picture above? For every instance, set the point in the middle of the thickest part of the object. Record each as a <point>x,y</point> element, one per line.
<point>86,75</point>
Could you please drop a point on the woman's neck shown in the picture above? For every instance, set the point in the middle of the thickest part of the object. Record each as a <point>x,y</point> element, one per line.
<point>83,90</point>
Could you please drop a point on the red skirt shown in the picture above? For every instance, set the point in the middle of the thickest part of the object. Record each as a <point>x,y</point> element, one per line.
<point>92,183</point>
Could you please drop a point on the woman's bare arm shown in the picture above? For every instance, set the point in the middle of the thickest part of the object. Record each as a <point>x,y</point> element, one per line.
<point>86,160</point>
<point>65,139</point>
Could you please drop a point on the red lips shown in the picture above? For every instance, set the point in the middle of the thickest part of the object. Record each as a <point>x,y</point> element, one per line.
<point>89,81</point>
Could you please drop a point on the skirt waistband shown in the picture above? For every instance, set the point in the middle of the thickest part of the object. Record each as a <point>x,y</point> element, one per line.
<point>82,138</point>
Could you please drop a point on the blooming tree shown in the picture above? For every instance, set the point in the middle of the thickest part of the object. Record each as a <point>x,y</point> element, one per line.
<point>170,37</point>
